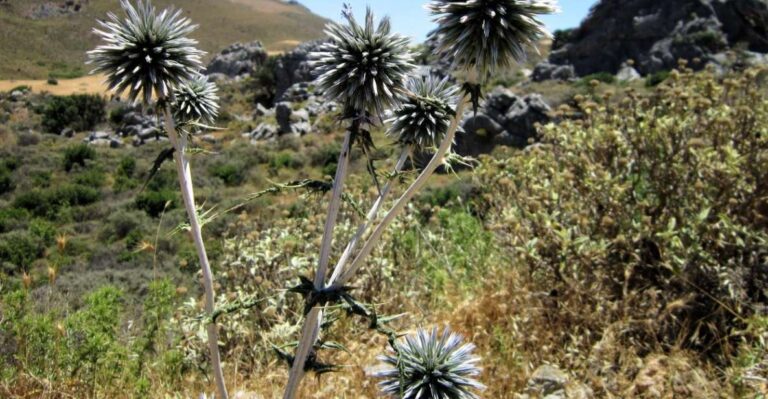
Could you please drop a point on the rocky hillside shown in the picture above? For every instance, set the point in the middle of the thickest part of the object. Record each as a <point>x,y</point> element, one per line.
<point>656,33</point>
<point>39,38</point>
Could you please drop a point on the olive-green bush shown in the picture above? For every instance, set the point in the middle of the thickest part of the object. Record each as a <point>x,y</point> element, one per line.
<point>78,155</point>
<point>653,205</point>
<point>79,112</point>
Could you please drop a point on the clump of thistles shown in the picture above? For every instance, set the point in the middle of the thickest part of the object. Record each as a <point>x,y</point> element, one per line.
<point>489,34</point>
<point>196,100</point>
<point>363,67</point>
<point>146,53</point>
<point>430,365</point>
<point>423,116</point>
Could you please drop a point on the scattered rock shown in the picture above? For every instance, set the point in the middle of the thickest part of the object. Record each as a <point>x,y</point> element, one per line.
<point>547,71</point>
<point>262,111</point>
<point>265,131</point>
<point>103,139</point>
<point>504,119</point>
<point>293,67</point>
<point>237,60</point>
<point>17,95</point>
<point>548,381</point>
<point>627,73</point>
<point>290,120</point>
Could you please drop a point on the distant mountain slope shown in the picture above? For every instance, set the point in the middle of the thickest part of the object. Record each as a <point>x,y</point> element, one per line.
<point>38,37</point>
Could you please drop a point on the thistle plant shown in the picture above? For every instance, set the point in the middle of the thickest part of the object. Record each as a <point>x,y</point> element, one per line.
<point>145,53</point>
<point>483,35</point>
<point>486,35</point>
<point>196,100</point>
<point>423,117</point>
<point>430,364</point>
<point>149,55</point>
<point>363,67</point>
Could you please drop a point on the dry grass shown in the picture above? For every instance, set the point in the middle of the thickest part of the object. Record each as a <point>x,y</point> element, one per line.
<point>91,84</point>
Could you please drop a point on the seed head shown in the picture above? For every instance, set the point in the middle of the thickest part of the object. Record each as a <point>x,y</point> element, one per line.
<point>363,67</point>
<point>488,34</point>
<point>423,116</point>
<point>430,365</point>
<point>145,52</point>
<point>196,99</point>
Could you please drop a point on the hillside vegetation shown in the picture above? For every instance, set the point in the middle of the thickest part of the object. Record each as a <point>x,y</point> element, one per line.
<point>627,248</point>
<point>38,48</point>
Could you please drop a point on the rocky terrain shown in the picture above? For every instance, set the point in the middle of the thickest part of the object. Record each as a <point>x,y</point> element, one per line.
<point>655,34</point>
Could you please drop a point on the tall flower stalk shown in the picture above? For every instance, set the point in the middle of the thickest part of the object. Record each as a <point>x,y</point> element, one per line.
<point>478,36</point>
<point>364,67</point>
<point>149,55</point>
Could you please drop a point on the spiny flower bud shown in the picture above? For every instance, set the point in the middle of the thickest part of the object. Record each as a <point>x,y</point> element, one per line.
<point>145,52</point>
<point>424,115</point>
<point>363,67</point>
<point>430,365</point>
<point>489,34</point>
<point>196,99</point>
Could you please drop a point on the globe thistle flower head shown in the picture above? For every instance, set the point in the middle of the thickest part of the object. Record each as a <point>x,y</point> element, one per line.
<point>196,100</point>
<point>430,365</point>
<point>488,34</point>
<point>145,53</point>
<point>424,115</point>
<point>364,67</point>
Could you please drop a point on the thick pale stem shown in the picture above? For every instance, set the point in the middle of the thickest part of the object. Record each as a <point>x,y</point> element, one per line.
<point>187,193</point>
<point>369,218</point>
<point>333,208</point>
<point>399,206</point>
<point>311,328</point>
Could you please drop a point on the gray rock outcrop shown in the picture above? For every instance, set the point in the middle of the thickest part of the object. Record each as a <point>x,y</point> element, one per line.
<point>504,119</point>
<point>657,33</point>
<point>293,67</point>
<point>237,60</point>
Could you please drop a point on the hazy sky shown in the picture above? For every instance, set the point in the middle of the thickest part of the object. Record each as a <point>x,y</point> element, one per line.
<point>410,18</point>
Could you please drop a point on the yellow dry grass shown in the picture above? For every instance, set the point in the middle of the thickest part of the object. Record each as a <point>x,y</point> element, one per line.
<point>91,84</point>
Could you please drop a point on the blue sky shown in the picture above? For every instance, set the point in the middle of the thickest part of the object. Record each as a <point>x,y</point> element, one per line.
<point>410,18</point>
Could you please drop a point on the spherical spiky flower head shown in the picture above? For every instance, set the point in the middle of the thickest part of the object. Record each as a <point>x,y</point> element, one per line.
<point>196,100</point>
<point>489,34</point>
<point>423,116</point>
<point>145,52</point>
<point>364,67</point>
<point>430,365</point>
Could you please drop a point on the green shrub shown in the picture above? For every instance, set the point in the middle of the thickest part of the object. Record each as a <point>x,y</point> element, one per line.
<point>21,88</point>
<point>79,112</point>
<point>127,166</point>
<point>656,78</point>
<point>94,354</point>
<point>561,37</point>
<point>6,181</point>
<point>43,230</point>
<point>117,114</point>
<point>47,202</point>
<point>154,202</point>
<point>12,219</point>
<point>656,206</point>
<point>232,174</point>
<point>603,77</point>
<point>78,154</point>
<point>285,159</point>
<point>20,249</point>
<point>92,177</point>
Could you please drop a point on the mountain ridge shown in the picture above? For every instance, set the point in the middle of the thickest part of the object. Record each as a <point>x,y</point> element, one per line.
<point>41,39</point>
